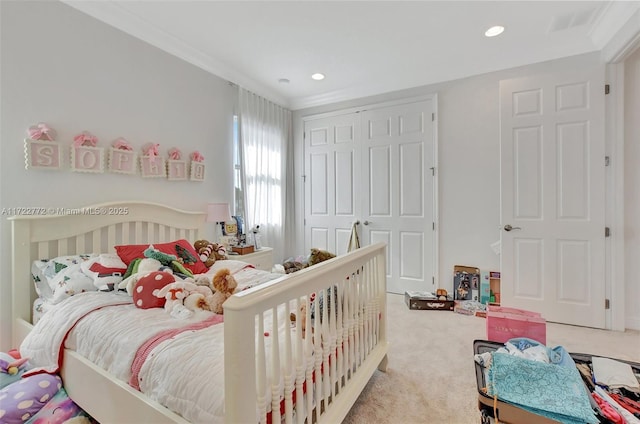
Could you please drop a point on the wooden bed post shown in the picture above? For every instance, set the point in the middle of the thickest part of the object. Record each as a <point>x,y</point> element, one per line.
<point>20,276</point>
<point>240,379</point>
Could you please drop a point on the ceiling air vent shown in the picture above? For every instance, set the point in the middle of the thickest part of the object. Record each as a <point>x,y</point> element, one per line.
<point>571,20</point>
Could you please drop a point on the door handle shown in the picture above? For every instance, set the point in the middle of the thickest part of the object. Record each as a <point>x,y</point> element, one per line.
<point>366,222</point>
<point>509,228</point>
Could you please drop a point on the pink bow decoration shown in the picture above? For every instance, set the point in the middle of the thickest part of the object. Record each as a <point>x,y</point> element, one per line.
<point>197,156</point>
<point>121,144</point>
<point>41,132</point>
<point>85,138</point>
<point>151,150</point>
<point>175,153</point>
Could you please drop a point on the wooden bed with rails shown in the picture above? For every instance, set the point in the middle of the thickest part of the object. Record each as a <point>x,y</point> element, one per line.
<point>325,372</point>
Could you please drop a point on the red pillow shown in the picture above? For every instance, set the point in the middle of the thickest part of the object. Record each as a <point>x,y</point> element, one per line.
<point>179,248</point>
<point>144,291</point>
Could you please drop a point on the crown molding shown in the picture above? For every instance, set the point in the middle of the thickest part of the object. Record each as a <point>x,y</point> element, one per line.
<point>624,42</point>
<point>118,17</point>
<point>609,23</point>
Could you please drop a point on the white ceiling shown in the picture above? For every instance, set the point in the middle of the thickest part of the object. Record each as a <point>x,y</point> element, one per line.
<point>363,47</point>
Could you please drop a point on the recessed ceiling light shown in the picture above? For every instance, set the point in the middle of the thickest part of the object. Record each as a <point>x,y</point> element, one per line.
<point>317,76</point>
<point>493,31</point>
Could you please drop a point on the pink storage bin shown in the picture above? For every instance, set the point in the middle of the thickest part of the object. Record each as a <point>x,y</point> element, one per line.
<point>508,323</point>
<point>504,309</point>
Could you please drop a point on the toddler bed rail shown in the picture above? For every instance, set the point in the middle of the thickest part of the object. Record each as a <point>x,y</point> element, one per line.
<point>299,376</point>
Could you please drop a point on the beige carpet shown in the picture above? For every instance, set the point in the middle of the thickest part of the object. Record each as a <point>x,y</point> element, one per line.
<point>430,377</point>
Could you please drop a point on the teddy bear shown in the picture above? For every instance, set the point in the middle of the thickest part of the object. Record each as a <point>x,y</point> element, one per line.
<point>318,255</point>
<point>223,285</point>
<point>209,252</point>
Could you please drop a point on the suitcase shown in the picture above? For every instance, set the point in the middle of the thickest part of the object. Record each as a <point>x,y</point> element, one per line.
<point>512,414</point>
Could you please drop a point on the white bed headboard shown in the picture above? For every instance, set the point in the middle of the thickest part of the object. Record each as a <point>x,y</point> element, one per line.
<point>91,229</point>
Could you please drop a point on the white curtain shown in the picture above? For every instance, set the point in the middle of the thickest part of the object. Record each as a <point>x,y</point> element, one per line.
<point>265,134</point>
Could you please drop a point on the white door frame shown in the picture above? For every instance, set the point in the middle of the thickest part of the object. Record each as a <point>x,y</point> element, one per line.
<point>436,195</point>
<point>615,52</point>
<point>614,193</point>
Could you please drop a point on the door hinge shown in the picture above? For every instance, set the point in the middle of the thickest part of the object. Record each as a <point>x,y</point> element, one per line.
<point>607,161</point>
<point>607,232</point>
<point>433,280</point>
<point>433,170</point>
<point>304,178</point>
<point>433,226</point>
<point>607,304</point>
<point>304,221</point>
<point>433,116</point>
<point>607,89</point>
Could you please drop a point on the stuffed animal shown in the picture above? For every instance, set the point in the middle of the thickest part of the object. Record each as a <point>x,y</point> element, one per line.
<point>11,369</point>
<point>224,285</point>
<point>167,260</point>
<point>198,300</point>
<point>318,255</point>
<point>209,252</point>
<point>175,293</point>
<point>136,270</point>
<point>292,266</point>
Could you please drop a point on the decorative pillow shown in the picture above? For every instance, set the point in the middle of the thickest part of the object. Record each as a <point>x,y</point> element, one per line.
<point>40,280</point>
<point>61,277</point>
<point>58,410</point>
<point>71,280</point>
<point>180,248</point>
<point>144,291</point>
<point>19,401</point>
<point>106,271</point>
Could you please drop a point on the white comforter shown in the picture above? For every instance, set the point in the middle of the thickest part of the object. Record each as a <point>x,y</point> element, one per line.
<point>184,373</point>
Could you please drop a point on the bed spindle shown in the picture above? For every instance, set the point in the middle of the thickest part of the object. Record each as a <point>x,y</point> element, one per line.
<point>316,336</point>
<point>275,367</point>
<point>333,344</point>
<point>289,378</point>
<point>261,372</point>
<point>340,337</point>
<point>300,368</point>
<point>309,358</point>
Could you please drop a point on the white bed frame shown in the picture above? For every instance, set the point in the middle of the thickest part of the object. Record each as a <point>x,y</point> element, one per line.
<point>352,343</point>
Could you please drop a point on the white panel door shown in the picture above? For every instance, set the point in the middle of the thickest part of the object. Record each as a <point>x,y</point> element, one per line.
<point>397,190</point>
<point>375,167</point>
<point>553,196</point>
<point>332,195</point>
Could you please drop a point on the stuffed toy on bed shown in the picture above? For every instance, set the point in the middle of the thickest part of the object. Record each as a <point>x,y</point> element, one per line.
<point>168,260</point>
<point>183,298</point>
<point>224,285</point>
<point>209,252</point>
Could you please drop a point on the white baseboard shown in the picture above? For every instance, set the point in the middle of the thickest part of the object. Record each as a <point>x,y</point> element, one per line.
<point>632,323</point>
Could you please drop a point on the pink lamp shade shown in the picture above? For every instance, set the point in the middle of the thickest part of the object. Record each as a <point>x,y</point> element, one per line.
<point>218,212</point>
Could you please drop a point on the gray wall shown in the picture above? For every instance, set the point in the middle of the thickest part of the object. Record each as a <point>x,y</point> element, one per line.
<point>469,162</point>
<point>75,73</point>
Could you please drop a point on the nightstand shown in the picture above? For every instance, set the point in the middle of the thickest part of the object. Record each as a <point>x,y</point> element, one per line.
<point>261,259</point>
